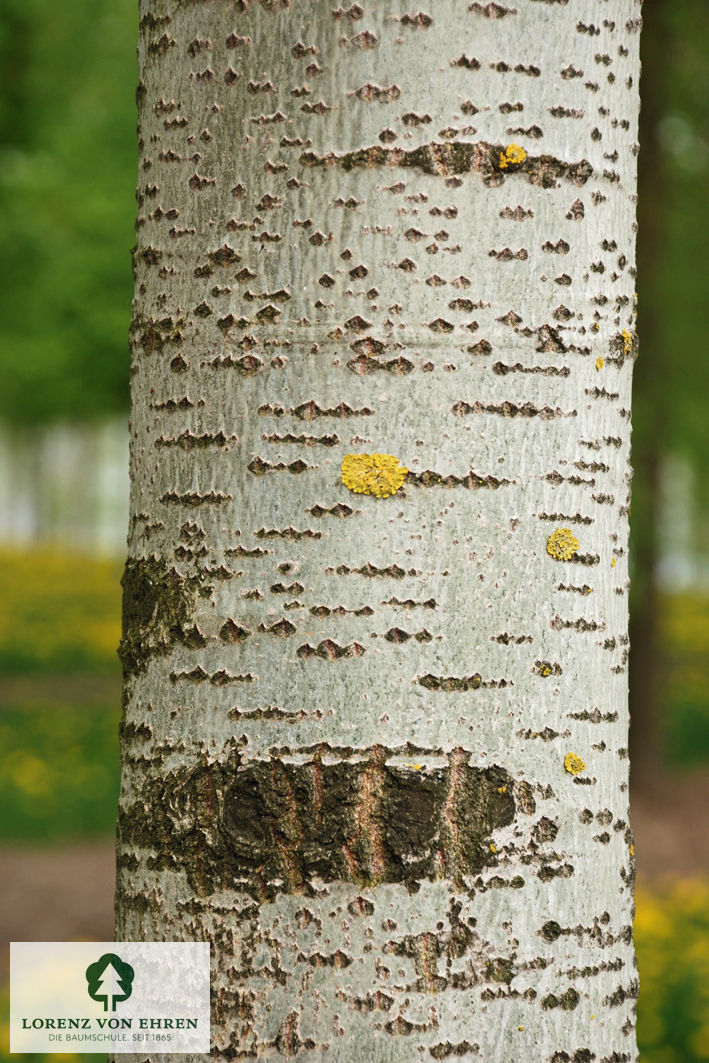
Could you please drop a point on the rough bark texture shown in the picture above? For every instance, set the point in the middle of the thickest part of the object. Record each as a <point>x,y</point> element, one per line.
<point>348,718</point>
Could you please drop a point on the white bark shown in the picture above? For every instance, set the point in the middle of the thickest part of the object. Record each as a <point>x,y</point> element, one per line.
<point>332,258</point>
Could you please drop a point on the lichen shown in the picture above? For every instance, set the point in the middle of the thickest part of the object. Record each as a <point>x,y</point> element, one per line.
<point>599,363</point>
<point>562,544</point>
<point>627,342</point>
<point>573,764</point>
<point>373,474</point>
<point>513,155</point>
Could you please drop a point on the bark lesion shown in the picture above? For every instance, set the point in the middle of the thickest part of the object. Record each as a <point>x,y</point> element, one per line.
<point>274,826</point>
<point>158,605</point>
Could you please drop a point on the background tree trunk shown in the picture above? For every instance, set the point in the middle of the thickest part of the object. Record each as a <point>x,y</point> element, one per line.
<point>354,726</point>
<point>650,385</point>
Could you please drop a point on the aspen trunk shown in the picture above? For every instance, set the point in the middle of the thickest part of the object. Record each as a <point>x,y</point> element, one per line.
<point>375,748</point>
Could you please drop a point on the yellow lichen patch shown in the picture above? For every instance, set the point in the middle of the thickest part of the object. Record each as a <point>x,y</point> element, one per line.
<point>544,670</point>
<point>502,789</point>
<point>632,850</point>
<point>373,474</point>
<point>599,363</point>
<point>627,341</point>
<point>562,544</point>
<point>513,155</point>
<point>573,764</point>
<point>493,847</point>
<point>613,563</point>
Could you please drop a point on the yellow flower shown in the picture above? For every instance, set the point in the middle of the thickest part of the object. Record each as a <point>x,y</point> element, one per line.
<point>373,474</point>
<point>573,764</point>
<point>562,544</point>
<point>513,155</point>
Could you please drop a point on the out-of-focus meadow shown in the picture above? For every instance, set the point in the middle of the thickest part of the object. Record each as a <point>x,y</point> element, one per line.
<point>67,142</point>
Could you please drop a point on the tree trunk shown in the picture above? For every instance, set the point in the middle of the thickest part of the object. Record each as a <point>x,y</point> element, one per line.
<point>375,733</point>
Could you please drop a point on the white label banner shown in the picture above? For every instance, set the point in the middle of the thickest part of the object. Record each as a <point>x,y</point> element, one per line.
<point>109,996</point>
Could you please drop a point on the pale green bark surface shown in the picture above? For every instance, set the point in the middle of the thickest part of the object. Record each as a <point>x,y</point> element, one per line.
<point>347,717</point>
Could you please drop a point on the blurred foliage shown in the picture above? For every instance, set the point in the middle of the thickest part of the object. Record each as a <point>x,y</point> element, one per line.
<point>58,613</point>
<point>678,159</point>
<point>684,638</point>
<point>59,770</point>
<point>672,942</point>
<point>67,172</point>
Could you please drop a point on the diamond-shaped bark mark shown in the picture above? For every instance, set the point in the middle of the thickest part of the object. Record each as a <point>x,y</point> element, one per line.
<point>439,325</point>
<point>358,272</point>
<point>362,365</point>
<point>383,94</point>
<point>419,21</point>
<point>193,637</point>
<point>268,313</point>
<point>407,265</point>
<point>414,235</point>
<point>225,323</point>
<point>293,588</point>
<point>400,366</point>
<point>224,256</point>
<point>330,651</point>
<point>492,10</point>
<point>465,305</point>
<point>316,108</point>
<point>395,634</point>
<point>248,365</point>
<point>466,63</point>
<point>357,324</point>
<point>232,76</point>
<point>283,629</point>
<point>233,632</point>
<point>259,467</point>
<point>413,119</point>
<point>245,274</point>
<point>368,345</point>
<point>550,341</point>
<point>364,40</point>
<point>326,281</point>
<point>507,254</point>
<point>483,348</point>
<point>338,510</point>
<point>307,411</point>
<point>450,682</point>
<point>371,570</point>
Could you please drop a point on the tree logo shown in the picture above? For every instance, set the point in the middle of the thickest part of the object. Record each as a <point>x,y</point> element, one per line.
<point>110,980</point>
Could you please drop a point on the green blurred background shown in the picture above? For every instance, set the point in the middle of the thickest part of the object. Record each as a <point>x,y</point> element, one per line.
<point>67,170</point>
